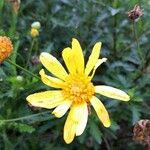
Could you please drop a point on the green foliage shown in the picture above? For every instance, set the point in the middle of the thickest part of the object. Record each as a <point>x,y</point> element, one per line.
<point>23,127</point>
<point>95,132</point>
<point>127,68</point>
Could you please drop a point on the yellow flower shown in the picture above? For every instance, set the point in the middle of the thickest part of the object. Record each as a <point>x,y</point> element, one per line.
<point>6,48</point>
<point>75,91</point>
<point>34,32</point>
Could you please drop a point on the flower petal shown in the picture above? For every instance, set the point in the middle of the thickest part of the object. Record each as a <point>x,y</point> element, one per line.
<point>101,111</point>
<point>75,123</point>
<point>83,119</point>
<point>79,57</point>
<point>51,81</point>
<point>60,110</point>
<point>71,125</point>
<point>93,58</point>
<point>69,59</point>
<point>112,92</point>
<point>98,63</point>
<point>48,99</point>
<point>53,65</point>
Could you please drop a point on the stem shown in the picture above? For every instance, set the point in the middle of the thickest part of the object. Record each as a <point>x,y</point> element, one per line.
<point>106,142</point>
<point>115,34</point>
<point>30,51</point>
<point>36,46</point>
<point>1,8</point>
<point>12,30</point>
<point>18,66</point>
<point>115,5</point>
<point>25,117</point>
<point>146,32</point>
<point>137,42</point>
<point>135,35</point>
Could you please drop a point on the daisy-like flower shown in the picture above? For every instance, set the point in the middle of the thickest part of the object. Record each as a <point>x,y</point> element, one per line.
<point>75,91</point>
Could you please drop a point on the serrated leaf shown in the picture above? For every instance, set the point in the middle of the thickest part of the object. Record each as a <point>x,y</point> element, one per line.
<point>135,114</point>
<point>124,65</point>
<point>114,126</point>
<point>23,127</point>
<point>95,132</point>
<point>8,144</point>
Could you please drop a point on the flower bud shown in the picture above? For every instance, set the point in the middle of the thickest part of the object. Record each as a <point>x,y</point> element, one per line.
<point>135,13</point>
<point>6,48</point>
<point>35,60</point>
<point>36,25</point>
<point>19,78</point>
<point>34,32</point>
<point>142,132</point>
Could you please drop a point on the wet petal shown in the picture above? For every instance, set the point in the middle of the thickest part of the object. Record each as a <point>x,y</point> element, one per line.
<point>93,58</point>
<point>53,65</point>
<point>112,92</point>
<point>51,81</point>
<point>101,111</point>
<point>48,99</point>
<point>79,57</point>
<point>60,110</point>
<point>69,59</point>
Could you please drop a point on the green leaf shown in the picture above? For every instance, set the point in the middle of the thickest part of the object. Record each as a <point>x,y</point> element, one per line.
<point>2,124</point>
<point>1,4</point>
<point>23,127</point>
<point>8,144</point>
<point>114,126</point>
<point>135,114</point>
<point>95,132</point>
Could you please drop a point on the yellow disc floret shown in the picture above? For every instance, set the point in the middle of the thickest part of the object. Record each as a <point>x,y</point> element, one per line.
<point>78,88</point>
<point>6,48</point>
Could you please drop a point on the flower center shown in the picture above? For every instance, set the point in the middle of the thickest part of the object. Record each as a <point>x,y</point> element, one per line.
<point>78,88</point>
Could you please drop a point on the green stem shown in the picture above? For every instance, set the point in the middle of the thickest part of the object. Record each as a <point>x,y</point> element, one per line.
<point>106,142</point>
<point>12,30</point>
<point>115,35</point>
<point>25,117</point>
<point>1,14</point>
<point>36,46</point>
<point>30,52</point>
<point>137,42</point>
<point>18,66</point>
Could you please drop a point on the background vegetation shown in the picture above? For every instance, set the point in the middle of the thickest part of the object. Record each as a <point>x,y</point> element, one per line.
<point>128,68</point>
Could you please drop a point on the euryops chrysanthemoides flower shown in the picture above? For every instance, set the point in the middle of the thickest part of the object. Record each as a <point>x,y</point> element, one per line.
<point>74,90</point>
